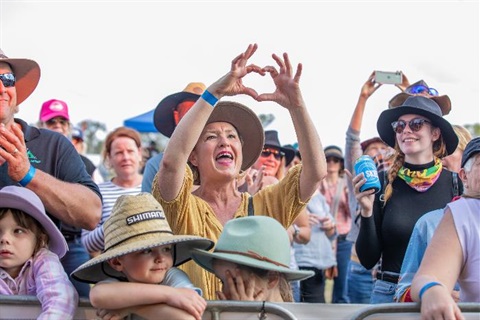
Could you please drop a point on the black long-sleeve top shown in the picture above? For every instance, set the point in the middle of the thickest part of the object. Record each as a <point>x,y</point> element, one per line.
<point>387,232</point>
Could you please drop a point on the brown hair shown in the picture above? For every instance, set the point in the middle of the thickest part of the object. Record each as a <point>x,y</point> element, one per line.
<point>117,133</point>
<point>439,151</point>
<point>28,222</point>
<point>464,136</point>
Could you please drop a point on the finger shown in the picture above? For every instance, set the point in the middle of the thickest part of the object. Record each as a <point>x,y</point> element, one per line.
<point>221,295</point>
<point>254,68</point>
<point>288,65</point>
<point>251,92</point>
<point>298,74</point>
<point>279,62</point>
<point>233,286</point>
<point>250,291</point>
<point>240,283</point>
<point>272,70</point>
<point>251,50</point>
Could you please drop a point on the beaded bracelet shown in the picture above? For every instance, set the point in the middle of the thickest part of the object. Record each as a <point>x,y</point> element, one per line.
<point>28,177</point>
<point>428,286</point>
<point>210,98</point>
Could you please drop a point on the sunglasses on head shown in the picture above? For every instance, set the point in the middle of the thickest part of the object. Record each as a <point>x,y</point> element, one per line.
<point>276,153</point>
<point>54,121</point>
<point>335,160</point>
<point>414,124</point>
<point>8,79</point>
<point>420,88</point>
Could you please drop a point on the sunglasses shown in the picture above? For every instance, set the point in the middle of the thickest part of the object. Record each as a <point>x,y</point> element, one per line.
<point>276,153</point>
<point>414,124</point>
<point>54,121</point>
<point>420,88</point>
<point>8,79</point>
<point>333,159</point>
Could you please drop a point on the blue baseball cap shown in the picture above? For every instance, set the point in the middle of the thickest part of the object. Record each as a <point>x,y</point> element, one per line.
<point>473,147</point>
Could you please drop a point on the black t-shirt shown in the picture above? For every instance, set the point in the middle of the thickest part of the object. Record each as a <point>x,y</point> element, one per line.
<point>387,232</point>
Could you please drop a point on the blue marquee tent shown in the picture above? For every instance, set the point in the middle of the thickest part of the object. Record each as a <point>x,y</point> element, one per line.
<point>142,122</point>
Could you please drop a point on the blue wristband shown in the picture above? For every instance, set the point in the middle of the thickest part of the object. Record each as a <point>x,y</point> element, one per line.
<point>28,177</point>
<point>210,98</point>
<point>426,287</point>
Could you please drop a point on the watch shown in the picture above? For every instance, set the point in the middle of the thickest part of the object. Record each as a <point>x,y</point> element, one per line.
<point>296,230</point>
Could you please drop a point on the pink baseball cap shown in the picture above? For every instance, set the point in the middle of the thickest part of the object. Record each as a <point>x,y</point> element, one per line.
<point>54,108</point>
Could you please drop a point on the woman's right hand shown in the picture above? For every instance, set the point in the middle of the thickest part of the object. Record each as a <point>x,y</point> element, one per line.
<point>370,86</point>
<point>231,84</point>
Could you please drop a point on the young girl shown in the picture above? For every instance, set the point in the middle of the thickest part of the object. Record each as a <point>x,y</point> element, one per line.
<point>135,274</point>
<point>252,259</point>
<point>30,250</point>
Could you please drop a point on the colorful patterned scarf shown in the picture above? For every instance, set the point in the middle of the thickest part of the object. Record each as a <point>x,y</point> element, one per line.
<point>421,180</point>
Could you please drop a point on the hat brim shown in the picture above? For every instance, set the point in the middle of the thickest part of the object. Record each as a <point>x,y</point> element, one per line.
<point>248,126</point>
<point>57,243</point>
<point>443,101</point>
<point>384,125</point>
<point>98,269</point>
<point>163,114</point>
<point>368,142</point>
<point>289,153</point>
<point>205,260</point>
<point>27,75</point>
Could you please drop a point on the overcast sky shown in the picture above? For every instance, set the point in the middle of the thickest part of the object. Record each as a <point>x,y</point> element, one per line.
<point>112,60</point>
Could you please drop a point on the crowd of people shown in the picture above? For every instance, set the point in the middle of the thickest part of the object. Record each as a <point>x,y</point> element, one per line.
<point>226,212</point>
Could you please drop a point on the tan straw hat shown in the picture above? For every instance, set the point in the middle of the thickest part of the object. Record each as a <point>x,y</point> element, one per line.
<point>137,223</point>
<point>27,75</point>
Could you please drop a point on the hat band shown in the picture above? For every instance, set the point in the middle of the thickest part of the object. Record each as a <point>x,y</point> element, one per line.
<point>134,236</point>
<point>253,255</point>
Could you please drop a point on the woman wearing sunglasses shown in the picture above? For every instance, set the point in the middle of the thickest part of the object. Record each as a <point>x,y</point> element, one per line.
<point>416,183</point>
<point>215,140</point>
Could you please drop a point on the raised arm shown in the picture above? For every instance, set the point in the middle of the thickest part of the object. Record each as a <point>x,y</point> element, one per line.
<point>288,95</point>
<point>189,129</point>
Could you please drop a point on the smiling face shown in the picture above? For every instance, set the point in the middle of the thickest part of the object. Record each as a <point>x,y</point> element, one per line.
<point>270,159</point>
<point>8,97</point>
<point>218,152</point>
<point>417,145</point>
<point>146,266</point>
<point>17,244</point>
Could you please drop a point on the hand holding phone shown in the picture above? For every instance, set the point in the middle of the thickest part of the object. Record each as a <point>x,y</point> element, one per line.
<point>388,77</point>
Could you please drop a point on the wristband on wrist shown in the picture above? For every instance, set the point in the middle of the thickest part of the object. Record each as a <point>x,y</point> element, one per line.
<point>28,177</point>
<point>426,287</point>
<point>210,98</point>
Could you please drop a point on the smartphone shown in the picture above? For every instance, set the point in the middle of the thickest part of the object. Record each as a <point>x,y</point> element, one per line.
<point>387,77</point>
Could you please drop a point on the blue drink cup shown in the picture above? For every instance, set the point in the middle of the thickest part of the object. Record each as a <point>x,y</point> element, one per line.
<point>366,165</point>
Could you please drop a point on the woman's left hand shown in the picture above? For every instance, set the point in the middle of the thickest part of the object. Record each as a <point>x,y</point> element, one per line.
<point>287,92</point>
<point>242,290</point>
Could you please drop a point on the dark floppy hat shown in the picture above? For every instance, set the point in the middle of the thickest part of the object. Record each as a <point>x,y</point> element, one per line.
<point>27,201</point>
<point>247,124</point>
<point>297,153</point>
<point>27,75</point>
<point>420,105</point>
<point>472,148</point>
<point>271,140</point>
<point>163,117</point>
<point>364,144</point>
<point>333,151</point>
<point>137,223</point>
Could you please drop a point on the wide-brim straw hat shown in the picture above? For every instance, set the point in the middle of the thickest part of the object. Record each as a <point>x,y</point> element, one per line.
<point>27,201</point>
<point>163,116</point>
<point>254,241</point>
<point>248,126</point>
<point>420,105</point>
<point>27,75</point>
<point>137,223</point>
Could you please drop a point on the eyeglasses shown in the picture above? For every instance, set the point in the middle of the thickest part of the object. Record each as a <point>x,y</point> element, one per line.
<point>420,88</point>
<point>335,160</point>
<point>54,121</point>
<point>414,124</point>
<point>8,79</point>
<point>276,153</point>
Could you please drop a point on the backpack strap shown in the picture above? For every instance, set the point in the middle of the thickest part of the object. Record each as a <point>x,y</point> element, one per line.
<point>456,193</point>
<point>250,206</point>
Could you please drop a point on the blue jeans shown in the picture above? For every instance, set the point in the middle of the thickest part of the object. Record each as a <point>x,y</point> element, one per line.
<point>75,256</point>
<point>383,292</point>
<point>312,289</point>
<point>295,285</point>
<point>360,283</point>
<point>340,285</point>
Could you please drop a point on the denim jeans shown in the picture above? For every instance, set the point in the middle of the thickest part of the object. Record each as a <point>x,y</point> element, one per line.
<point>383,292</point>
<point>75,256</point>
<point>312,289</point>
<point>360,283</point>
<point>340,285</point>
<point>295,285</point>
